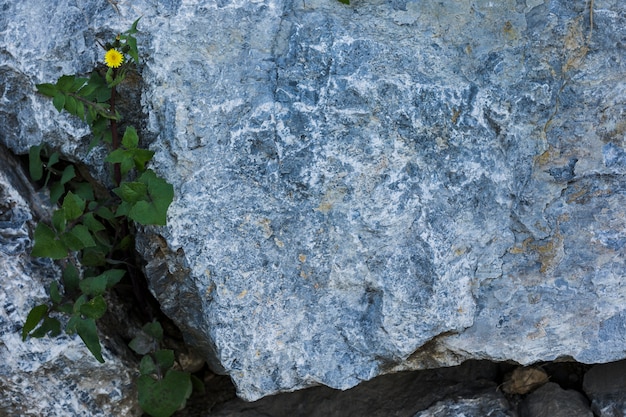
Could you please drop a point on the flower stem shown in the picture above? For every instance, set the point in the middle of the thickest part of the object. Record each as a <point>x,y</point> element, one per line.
<point>115,139</point>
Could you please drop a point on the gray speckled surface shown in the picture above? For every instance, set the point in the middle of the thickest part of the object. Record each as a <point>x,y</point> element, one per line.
<point>352,182</point>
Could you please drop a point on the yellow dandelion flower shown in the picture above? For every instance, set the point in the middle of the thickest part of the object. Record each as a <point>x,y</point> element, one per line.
<point>113,58</point>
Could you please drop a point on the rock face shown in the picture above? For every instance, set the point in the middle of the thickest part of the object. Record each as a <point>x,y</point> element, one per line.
<point>366,188</point>
<point>45,377</point>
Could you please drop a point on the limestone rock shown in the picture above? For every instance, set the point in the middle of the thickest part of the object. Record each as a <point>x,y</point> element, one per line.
<point>49,376</point>
<point>552,401</point>
<point>366,188</point>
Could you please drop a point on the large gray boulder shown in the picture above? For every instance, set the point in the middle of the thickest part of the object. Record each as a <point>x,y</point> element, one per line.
<point>366,188</point>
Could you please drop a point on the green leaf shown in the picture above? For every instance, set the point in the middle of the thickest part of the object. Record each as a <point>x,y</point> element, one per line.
<point>130,140</point>
<point>154,329</point>
<point>132,192</point>
<point>109,76</point>
<point>70,278</point>
<point>78,304</point>
<point>81,232</point>
<point>92,224</point>
<point>48,326</point>
<point>46,244</point>
<point>124,158</point>
<point>65,83</point>
<point>87,331</point>
<point>147,366</point>
<point>47,89</point>
<point>113,276</point>
<point>35,165</point>
<point>78,83</point>
<point>55,295</point>
<point>160,194</point>
<point>198,384</point>
<point>84,190</point>
<point>93,257</point>
<point>141,158</point>
<point>345,2</point>
<point>72,324</point>
<point>94,285</point>
<point>73,205</point>
<point>59,101</point>
<point>58,220</point>
<point>54,158</point>
<point>68,174</point>
<point>70,105</point>
<point>105,213</point>
<point>164,358</point>
<point>162,398</point>
<point>32,320</point>
<point>94,308</point>
<point>56,191</point>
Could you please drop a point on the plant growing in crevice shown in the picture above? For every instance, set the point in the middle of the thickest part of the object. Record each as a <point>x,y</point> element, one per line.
<point>90,234</point>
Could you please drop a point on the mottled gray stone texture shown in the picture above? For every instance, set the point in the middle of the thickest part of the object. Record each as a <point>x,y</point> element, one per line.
<point>45,377</point>
<point>356,182</point>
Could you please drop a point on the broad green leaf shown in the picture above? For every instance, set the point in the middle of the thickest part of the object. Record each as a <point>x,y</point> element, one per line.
<point>70,105</point>
<point>32,320</point>
<point>164,359</point>
<point>132,192</point>
<point>78,83</point>
<point>81,232</point>
<point>92,224</point>
<point>59,101</point>
<point>141,158</point>
<point>162,398</point>
<point>58,220</point>
<point>160,196</point>
<point>113,276</point>
<point>50,326</point>
<point>109,77</point>
<point>73,205</point>
<point>35,165</point>
<point>154,329</point>
<point>79,303</point>
<point>55,295</point>
<point>46,244</point>
<point>72,242</point>
<point>47,89</point>
<point>80,109</point>
<point>54,158</point>
<point>70,278</point>
<point>68,174</point>
<point>65,308</point>
<point>94,308</point>
<point>147,366</point>
<point>105,213</point>
<point>123,157</point>
<point>87,331</point>
<point>94,285</point>
<point>130,140</point>
<point>65,83</point>
<point>72,323</point>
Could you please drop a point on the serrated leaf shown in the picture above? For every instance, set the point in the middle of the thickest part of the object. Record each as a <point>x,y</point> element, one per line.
<point>88,332</point>
<point>73,205</point>
<point>58,101</point>
<point>35,165</point>
<point>154,329</point>
<point>70,278</point>
<point>94,308</point>
<point>46,244</point>
<point>47,89</point>
<point>162,398</point>
<point>55,295</point>
<point>32,320</point>
<point>50,326</point>
<point>147,366</point>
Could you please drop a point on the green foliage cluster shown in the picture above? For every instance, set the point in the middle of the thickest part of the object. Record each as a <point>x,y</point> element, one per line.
<point>90,233</point>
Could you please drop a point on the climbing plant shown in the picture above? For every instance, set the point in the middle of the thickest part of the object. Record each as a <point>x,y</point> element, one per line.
<point>91,231</point>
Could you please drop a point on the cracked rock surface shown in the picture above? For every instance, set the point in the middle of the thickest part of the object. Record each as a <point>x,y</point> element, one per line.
<point>368,188</point>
